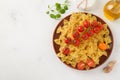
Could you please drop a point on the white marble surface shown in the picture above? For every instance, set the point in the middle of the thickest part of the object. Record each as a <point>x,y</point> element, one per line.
<point>26,51</point>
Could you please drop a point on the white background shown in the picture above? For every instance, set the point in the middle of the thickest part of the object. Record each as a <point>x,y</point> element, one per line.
<point>26,50</point>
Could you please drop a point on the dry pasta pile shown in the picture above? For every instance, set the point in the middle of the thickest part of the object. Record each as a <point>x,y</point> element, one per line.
<point>83,40</point>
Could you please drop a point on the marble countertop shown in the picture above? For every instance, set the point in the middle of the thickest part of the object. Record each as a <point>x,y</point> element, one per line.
<point>26,50</point>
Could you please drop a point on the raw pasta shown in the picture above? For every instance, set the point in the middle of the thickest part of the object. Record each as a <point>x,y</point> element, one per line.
<point>87,48</point>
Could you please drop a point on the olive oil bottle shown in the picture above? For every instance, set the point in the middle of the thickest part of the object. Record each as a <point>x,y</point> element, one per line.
<point>112,10</point>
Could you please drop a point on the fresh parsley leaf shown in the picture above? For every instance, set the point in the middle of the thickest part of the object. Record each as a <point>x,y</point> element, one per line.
<point>47,12</point>
<point>57,8</point>
<point>66,7</point>
<point>48,6</point>
<point>58,5</point>
<point>53,16</point>
<point>52,10</point>
<point>58,15</point>
<point>62,11</point>
<point>55,11</point>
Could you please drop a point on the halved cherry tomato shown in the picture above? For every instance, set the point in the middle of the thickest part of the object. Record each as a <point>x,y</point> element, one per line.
<point>86,24</point>
<point>76,42</point>
<point>101,26</point>
<point>76,35</point>
<point>90,33</point>
<point>96,30</point>
<point>90,63</point>
<point>66,50</point>
<point>85,36</point>
<point>102,46</point>
<point>80,28</point>
<point>68,40</point>
<point>94,23</point>
<point>81,65</point>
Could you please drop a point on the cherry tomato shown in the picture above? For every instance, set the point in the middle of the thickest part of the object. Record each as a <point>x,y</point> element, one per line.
<point>76,42</point>
<point>94,23</point>
<point>102,46</point>
<point>85,36</point>
<point>80,29</point>
<point>101,27</point>
<point>67,40</point>
<point>96,30</point>
<point>81,65</point>
<point>86,24</point>
<point>66,51</point>
<point>90,33</point>
<point>76,35</point>
<point>90,63</point>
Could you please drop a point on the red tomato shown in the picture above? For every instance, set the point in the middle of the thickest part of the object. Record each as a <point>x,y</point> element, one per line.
<point>85,36</point>
<point>66,51</point>
<point>101,27</point>
<point>86,24</point>
<point>80,29</point>
<point>96,30</point>
<point>81,65</point>
<point>94,23</point>
<point>90,33</point>
<point>76,42</point>
<point>90,63</point>
<point>76,35</point>
<point>67,40</point>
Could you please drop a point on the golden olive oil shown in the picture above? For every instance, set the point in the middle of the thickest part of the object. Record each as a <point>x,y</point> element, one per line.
<point>112,9</point>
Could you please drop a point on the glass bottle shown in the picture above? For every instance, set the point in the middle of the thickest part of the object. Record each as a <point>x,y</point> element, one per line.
<point>112,9</point>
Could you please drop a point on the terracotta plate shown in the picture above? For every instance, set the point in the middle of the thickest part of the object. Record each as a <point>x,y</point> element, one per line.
<point>102,58</point>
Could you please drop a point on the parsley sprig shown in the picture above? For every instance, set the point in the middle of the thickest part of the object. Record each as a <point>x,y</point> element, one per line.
<point>55,11</point>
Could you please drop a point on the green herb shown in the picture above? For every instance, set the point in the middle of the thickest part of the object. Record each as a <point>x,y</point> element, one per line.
<point>48,6</point>
<point>58,15</point>
<point>62,11</point>
<point>66,7</point>
<point>58,5</point>
<point>53,16</point>
<point>47,12</point>
<point>58,9</point>
<point>52,10</point>
<point>55,11</point>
